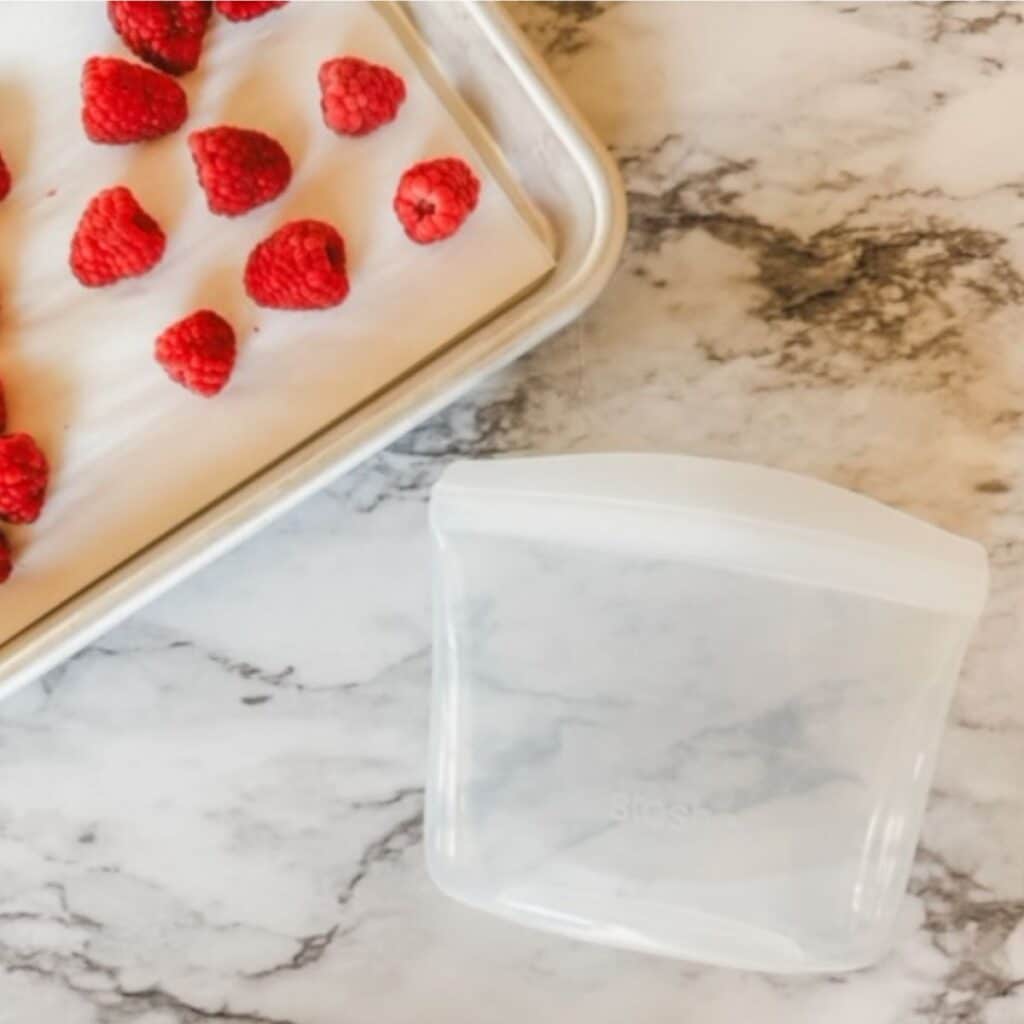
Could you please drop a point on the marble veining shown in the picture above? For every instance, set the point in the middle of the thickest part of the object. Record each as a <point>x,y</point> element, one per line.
<point>214,814</point>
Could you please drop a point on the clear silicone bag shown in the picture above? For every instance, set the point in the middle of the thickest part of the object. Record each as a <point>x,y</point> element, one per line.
<point>688,706</point>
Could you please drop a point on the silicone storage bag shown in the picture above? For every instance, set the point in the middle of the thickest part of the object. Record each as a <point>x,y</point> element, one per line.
<point>688,706</point>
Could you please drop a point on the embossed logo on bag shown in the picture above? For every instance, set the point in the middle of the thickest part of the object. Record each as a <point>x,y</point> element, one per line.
<point>653,811</point>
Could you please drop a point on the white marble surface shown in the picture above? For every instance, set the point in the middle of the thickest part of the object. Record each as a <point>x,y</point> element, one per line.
<point>214,813</point>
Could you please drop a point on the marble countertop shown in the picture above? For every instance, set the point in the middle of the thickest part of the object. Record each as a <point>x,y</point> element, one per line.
<point>214,814</point>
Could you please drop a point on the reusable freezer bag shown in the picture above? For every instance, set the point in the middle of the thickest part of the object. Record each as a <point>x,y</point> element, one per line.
<point>688,706</point>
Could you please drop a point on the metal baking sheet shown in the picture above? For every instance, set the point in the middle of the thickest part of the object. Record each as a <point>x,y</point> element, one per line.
<point>534,137</point>
<point>133,456</point>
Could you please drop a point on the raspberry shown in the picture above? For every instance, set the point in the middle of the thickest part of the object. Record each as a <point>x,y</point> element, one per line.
<point>435,197</point>
<point>5,559</point>
<point>125,102</point>
<point>238,168</point>
<point>198,352</point>
<point>5,178</point>
<point>300,266</point>
<point>165,33</point>
<point>246,10</point>
<point>23,478</point>
<point>115,238</point>
<point>357,97</point>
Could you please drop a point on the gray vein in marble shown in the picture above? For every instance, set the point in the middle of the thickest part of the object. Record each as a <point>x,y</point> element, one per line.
<point>399,795</point>
<point>396,474</point>
<point>105,650</point>
<point>287,678</point>
<point>864,287</point>
<point>562,31</point>
<point>968,925</point>
<point>953,18</point>
<point>253,673</point>
<point>387,847</point>
<point>468,428</point>
<point>311,950</point>
<point>116,1004</point>
<point>67,916</point>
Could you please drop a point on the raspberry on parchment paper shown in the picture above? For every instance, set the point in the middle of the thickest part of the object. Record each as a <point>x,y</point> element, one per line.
<point>246,10</point>
<point>115,238</point>
<point>165,33</point>
<point>198,352</point>
<point>5,178</point>
<point>435,197</point>
<point>357,97</point>
<point>300,266</point>
<point>239,168</point>
<point>125,102</point>
<point>24,475</point>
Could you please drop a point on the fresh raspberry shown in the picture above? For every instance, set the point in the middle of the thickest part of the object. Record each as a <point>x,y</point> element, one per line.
<point>239,168</point>
<point>435,197</point>
<point>115,238</point>
<point>300,266</point>
<point>165,33</point>
<point>198,352</point>
<point>23,478</point>
<point>246,10</point>
<point>5,178</point>
<point>5,559</point>
<point>125,102</point>
<point>356,96</point>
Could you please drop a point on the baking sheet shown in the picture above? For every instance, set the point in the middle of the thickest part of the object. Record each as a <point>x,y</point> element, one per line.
<point>133,454</point>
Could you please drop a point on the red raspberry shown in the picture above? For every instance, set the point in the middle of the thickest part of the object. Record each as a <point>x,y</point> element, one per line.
<point>5,178</point>
<point>23,478</point>
<point>165,33</point>
<point>246,10</point>
<point>357,96</point>
<point>239,168</point>
<point>435,197</point>
<point>300,266</point>
<point>198,352</point>
<point>125,102</point>
<point>5,559</point>
<point>115,238</point>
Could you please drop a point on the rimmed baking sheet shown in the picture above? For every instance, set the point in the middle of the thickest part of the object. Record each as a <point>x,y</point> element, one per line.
<point>134,455</point>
